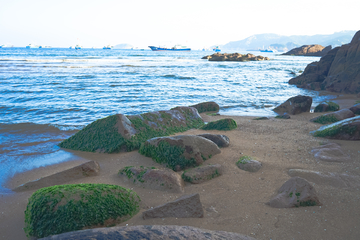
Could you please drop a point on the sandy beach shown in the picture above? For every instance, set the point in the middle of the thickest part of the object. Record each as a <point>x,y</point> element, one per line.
<point>235,201</point>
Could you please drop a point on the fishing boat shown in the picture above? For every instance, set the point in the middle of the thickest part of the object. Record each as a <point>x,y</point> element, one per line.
<point>31,46</point>
<point>175,48</point>
<point>77,47</point>
<point>216,49</point>
<point>266,50</point>
<point>108,47</point>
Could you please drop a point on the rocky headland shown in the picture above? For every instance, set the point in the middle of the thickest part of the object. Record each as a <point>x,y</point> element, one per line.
<point>234,57</point>
<point>315,50</point>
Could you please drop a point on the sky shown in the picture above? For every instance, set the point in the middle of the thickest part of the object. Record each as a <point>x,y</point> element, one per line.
<point>193,23</point>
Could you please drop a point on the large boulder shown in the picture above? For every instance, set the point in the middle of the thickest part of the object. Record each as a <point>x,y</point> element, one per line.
<point>309,50</point>
<point>219,140</point>
<point>330,152</point>
<point>348,129</point>
<point>188,206</point>
<point>179,152</point>
<point>327,107</point>
<point>65,208</point>
<point>296,192</point>
<point>151,177</point>
<point>333,116</point>
<point>225,124</point>
<point>295,105</point>
<point>337,71</point>
<point>151,232</point>
<point>202,173</point>
<point>355,109</point>
<point>207,107</point>
<point>118,132</point>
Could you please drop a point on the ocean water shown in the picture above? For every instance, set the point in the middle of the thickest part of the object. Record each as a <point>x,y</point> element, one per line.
<point>46,95</point>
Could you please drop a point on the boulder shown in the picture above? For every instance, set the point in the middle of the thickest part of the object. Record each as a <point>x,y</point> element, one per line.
<point>246,163</point>
<point>330,152</point>
<point>188,206</point>
<point>348,129</point>
<point>219,140</point>
<point>65,208</point>
<point>295,105</point>
<point>179,152</point>
<point>151,232</point>
<point>283,116</point>
<point>202,173</point>
<point>309,50</point>
<point>151,177</point>
<point>118,132</point>
<point>207,107</point>
<point>355,109</point>
<point>296,192</point>
<point>327,107</point>
<point>333,117</point>
<point>225,124</point>
<point>337,71</point>
<point>87,169</point>
<point>237,57</point>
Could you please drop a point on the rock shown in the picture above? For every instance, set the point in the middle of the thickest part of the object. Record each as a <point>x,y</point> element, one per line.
<point>309,50</point>
<point>246,163</point>
<point>296,192</point>
<point>337,71</point>
<point>188,206</point>
<point>118,132</point>
<point>219,140</point>
<point>261,118</point>
<point>87,169</point>
<point>207,107</point>
<point>330,153</point>
<point>202,173</point>
<point>237,57</point>
<point>151,232</point>
<point>355,109</point>
<point>348,129</point>
<point>160,179</point>
<point>179,152</point>
<point>295,105</point>
<point>283,116</point>
<point>65,208</point>
<point>225,124</point>
<point>327,107</point>
<point>333,117</point>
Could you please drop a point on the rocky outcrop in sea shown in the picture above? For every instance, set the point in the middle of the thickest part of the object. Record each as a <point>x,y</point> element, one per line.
<point>309,50</point>
<point>234,57</point>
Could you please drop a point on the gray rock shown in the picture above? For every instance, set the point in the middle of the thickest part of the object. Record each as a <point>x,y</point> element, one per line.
<point>152,232</point>
<point>330,153</point>
<point>355,109</point>
<point>188,206</point>
<point>219,140</point>
<point>202,173</point>
<point>207,107</point>
<point>248,164</point>
<point>333,116</point>
<point>296,192</point>
<point>295,105</point>
<point>283,116</point>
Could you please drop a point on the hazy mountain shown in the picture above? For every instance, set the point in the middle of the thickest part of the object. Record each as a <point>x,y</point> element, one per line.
<point>123,46</point>
<point>280,42</point>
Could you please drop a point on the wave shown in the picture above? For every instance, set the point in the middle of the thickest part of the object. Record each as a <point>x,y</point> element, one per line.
<point>177,77</point>
<point>34,128</point>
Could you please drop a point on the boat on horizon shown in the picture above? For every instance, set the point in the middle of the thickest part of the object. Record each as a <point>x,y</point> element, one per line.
<point>216,49</point>
<point>32,46</point>
<point>77,47</point>
<point>175,48</point>
<point>108,47</point>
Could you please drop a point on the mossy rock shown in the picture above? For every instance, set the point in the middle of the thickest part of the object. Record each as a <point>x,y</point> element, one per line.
<point>348,129</point>
<point>225,124</point>
<point>333,116</point>
<point>207,107</point>
<point>118,132</point>
<point>65,208</point>
<point>327,107</point>
<point>246,163</point>
<point>202,173</point>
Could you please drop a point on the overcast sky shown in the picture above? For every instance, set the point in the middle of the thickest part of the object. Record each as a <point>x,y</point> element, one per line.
<point>194,23</point>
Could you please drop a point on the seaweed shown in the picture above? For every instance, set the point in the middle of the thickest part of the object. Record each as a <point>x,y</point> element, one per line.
<point>225,124</point>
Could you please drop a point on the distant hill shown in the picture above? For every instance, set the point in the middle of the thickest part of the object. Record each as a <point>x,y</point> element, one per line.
<point>123,46</point>
<point>285,43</point>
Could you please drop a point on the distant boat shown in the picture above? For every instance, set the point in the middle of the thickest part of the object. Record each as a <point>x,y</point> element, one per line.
<point>216,49</point>
<point>77,47</point>
<point>266,50</point>
<point>1,46</point>
<point>31,46</point>
<point>108,47</point>
<point>175,48</point>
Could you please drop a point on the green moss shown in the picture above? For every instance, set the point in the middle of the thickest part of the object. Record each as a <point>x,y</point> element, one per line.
<point>335,130</point>
<point>212,114</point>
<point>261,118</point>
<point>325,119</point>
<point>244,159</point>
<point>206,107</point>
<point>222,124</point>
<point>332,107</point>
<point>291,194</point>
<point>192,179</point>
<point>308,203</point>
<point>64,208</point>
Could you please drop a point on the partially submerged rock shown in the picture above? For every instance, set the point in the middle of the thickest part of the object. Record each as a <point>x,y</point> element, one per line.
<point>151,177</point>
<point>309,50</point>
<point>65,208</point>
<point>87,169</point>
<point>348,129</point>
<point>179,152</point>
<point>202,173</point>
<point>330,152</point>
<point>246,163</point>
<point>219,140</point>
<point>207,107</point>
<point>333,116</point>
<point>235,57</point>
<point>188,206</point>
<point>327,107</point>
<point>296,192</point>
<point>295,105</point>
<point>225,124</point>
<point>125,133</point>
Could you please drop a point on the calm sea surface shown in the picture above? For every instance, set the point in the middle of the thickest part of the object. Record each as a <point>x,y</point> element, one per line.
<point>46,95</point>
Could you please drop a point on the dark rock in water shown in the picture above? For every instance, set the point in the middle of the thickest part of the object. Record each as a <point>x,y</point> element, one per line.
<point>179,152</point>
<point>333,116</point>
<point>355,109</point>
<point>202,173</point>
<point>151,177</point>
<point>327,107</point>
<point>236,57</point>
<point>283,116</point>
<point>125,133</point>
<point>337,71</point>
<point>309,50</point>
<point>219,140</point>
<point>151,232</point>
<point>331,152</point>
<point>295,105</point>
<point>188,206</point>
<point>246,163</point>
<point>296,192</point>
<point>225,124</point>
<point>207,107</point>
<point>348,129</point>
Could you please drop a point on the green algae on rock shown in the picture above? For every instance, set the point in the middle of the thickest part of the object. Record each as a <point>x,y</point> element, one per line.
<point>65,208</point>
<point>327,107</point>
<point>348,129</point>
<point>225,124</point>
<point>118,132</point>
<point>207,107</point>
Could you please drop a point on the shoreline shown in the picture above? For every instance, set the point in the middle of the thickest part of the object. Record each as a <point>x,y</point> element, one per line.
<point>235,201</point>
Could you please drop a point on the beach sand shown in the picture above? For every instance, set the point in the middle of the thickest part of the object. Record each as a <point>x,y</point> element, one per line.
<point>236,200</point>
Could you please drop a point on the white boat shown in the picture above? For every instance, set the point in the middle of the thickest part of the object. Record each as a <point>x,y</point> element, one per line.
<point>32,46</point>
<point>108,47</point>
<point>77,47</point>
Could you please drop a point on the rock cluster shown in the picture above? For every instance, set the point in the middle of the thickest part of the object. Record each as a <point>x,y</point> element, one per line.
<point>309,50</point>
<point>235,57</point>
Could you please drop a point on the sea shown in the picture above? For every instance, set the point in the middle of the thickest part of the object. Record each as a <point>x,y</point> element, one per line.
<point>48,94</point>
